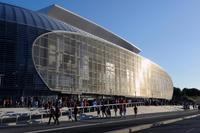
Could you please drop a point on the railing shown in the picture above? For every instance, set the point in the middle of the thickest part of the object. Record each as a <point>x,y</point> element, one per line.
<point>30,116</point>
<point>87,109</point>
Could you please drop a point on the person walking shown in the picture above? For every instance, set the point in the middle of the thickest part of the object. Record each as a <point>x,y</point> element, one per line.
<point>135,110</point>
<point>51,114</point>
<point>108,112</point>
<point>57,115</point>
<point>124,109</point>
<point>103,109</point>
<point>75,112</point>
<point>98,111</point>
<point>115,110</point>
<point>120,110</point>
<point>70,114</point>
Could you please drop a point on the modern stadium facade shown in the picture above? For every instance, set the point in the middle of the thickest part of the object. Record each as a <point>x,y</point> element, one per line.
<point>55,52</point>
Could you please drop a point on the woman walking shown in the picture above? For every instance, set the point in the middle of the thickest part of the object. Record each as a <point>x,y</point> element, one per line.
<point>57,115</point>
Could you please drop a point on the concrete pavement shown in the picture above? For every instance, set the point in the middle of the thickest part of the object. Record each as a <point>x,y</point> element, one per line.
<point>13,113</point>
<point>101,125</point>
<point>185,126</point>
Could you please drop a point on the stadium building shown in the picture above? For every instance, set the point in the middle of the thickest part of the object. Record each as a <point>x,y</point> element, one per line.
<point>54,52</point>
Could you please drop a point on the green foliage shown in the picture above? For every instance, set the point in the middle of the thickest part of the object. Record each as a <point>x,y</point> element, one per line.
<point>191,92</point>
<point>177,92</point>
<point>185,95</point>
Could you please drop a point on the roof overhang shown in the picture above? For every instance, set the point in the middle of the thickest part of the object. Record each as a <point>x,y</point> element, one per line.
<point>75,20</point>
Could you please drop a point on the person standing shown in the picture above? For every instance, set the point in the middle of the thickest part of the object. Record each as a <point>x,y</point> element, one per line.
<point>115,109</point>
<point>51,114</point>
<point>135,110</point>
<point>57,115</point>
<point>75,112</point>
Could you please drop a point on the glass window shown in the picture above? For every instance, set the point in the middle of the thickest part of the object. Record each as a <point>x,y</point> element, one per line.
<point>43,53</point>
<point>52,60</point>
<point>101,67</point>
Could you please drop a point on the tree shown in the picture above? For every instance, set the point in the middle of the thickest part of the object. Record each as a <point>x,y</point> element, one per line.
<point>186,95</point>
<point>177,93</point>
<point>191,92</point>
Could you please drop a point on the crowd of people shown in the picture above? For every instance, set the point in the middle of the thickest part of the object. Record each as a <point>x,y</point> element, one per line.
<point>121,108</point>
<point>102,108</point>
<point>69,102</point>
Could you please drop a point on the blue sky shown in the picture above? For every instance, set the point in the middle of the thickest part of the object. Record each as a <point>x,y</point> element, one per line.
<point>167,31</point>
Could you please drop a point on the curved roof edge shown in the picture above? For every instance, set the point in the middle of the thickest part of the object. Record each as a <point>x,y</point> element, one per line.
<point>20,15</point>
<point>84,24</point>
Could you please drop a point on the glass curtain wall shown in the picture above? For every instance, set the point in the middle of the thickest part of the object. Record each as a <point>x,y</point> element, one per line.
<point>75,64</point>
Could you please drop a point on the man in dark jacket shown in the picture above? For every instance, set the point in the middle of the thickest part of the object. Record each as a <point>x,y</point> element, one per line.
<point>75,112</point>
<point>103,109</point>
<point>51,114</point>
<point>135,110</point>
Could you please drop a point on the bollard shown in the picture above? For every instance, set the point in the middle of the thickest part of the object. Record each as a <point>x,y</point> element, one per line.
<point>130,130</point>
<point>30,118</point>
<point>41,118</point>
<point>1,120</point>
<point>16,119</point>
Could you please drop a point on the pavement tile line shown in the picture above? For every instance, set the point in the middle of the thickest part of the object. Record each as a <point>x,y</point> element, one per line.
<point>146,126</point>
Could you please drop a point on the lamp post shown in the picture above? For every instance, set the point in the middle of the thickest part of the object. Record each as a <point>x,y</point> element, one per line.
<point>135,93</point>
<point>152,97</point>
